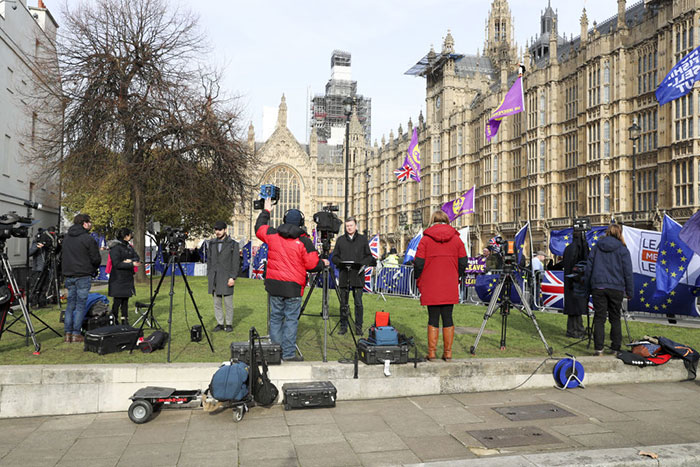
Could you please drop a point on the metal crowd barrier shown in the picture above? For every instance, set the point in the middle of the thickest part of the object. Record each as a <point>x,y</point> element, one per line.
<point>398,281</point>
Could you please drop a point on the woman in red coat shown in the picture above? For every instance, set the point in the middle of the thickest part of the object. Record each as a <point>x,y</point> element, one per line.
<point>440,260</point>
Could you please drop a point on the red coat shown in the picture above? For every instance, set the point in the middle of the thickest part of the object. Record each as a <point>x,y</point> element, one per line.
<point>440,259</point>
<point>290,254</point>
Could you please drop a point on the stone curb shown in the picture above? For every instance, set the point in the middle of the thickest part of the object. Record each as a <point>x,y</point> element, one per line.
<point>672,455</point>
<point>38,390</point>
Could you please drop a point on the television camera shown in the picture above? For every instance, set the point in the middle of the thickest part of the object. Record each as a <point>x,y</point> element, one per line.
<point>268,191</point>
<point>174,240</point>
<point>327,225</point>
<point>506,252</point>
<point>582,224</point>
<point>8,227</point>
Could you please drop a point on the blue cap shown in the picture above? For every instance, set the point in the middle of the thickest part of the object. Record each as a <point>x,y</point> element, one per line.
<point>294,216</point>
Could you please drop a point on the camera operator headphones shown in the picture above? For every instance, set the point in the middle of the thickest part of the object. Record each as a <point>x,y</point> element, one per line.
<point>284,219</point>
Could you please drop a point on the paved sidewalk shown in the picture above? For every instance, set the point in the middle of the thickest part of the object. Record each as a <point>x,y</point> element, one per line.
<point>591,426</point>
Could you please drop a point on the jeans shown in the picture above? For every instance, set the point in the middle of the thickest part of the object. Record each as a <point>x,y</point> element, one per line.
<point>284,320</point>
<point>607,304</point>
<point>78,289</point>
<point>344,297</point>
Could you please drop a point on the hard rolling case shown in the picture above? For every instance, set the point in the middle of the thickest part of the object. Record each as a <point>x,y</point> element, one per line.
<point>307,395</point>
<point>376,354</point>
<point>241,351</point>
<point>110,339</point>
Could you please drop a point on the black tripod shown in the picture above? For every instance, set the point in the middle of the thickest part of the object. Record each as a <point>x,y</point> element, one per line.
<point>502,294</point>
<point>26,316</point>
<point>172,261</point>
<point>46,288</point>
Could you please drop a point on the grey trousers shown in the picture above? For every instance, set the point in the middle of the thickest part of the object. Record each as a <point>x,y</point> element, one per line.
<point>219,312</point>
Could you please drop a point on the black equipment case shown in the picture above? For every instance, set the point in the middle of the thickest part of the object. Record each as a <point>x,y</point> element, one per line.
<point>306,395</point>
<point>376,354</point>
<point>241,351</point>
<point>95,322</point>
<point>110,339</point>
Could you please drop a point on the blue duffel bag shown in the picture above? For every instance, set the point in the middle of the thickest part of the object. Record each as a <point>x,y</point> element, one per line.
<point>230,382</point>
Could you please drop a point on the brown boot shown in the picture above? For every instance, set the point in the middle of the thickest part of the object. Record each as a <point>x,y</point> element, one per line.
<point>78,338</point>
<point>68,339</point>
<point>448,336</point>
<point>433,334</point>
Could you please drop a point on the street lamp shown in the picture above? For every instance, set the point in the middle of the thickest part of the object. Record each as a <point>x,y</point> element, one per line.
<point>634,131</point>
<point>367,177</point>
<point>347,106</point>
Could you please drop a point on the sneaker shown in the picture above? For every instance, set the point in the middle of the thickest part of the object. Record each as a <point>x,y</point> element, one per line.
<point>218,328</point>
<point>228,329</point>
<point>598,353</point>
<point>294,358</point>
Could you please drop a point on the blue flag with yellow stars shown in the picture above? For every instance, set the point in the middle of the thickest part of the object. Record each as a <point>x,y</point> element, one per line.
<point>560,239</point>
<point>673,259</point>
<point>679,301</point>
<point>520,242</point>
<point>486,283</point>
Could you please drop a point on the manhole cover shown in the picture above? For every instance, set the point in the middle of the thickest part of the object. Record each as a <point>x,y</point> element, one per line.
<point>532,412</point>
<point>512,437</point>
<point>474,331</point>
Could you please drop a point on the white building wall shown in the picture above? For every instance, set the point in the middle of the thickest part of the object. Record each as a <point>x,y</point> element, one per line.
<point>23,31</point>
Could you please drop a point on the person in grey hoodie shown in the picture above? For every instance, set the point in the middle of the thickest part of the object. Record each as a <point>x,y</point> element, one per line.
<point>609,277</point>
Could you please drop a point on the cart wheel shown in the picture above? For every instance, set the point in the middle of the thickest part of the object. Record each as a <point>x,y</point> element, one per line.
<point>140,411</point>
<point>238,413</point>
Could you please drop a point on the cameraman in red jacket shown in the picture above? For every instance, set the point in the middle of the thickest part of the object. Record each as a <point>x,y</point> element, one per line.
<point>290,254</point>
<point>440,260</point>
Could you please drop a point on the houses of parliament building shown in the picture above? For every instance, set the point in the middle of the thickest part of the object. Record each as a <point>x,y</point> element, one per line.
<point>569,154</point>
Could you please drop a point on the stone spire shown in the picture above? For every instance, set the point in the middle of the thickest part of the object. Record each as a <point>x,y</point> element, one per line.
<point>621,6</point>
<point>448,46</point>
<point>251,138</point>
<point>282,115</point>
<point>584,28</point>
<point>553,40</point>
<point>313,143</point>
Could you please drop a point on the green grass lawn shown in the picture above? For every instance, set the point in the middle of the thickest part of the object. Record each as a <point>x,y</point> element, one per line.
<point>250,309</point>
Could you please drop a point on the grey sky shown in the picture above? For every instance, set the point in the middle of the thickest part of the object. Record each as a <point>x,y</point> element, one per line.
<point>280,46</point>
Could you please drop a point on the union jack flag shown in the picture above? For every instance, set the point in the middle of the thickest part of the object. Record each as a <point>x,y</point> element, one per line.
<point>374,246</point>
<point>495,247</point>
<point>259,260</point>
<point>404,173</point>
<point>368,279</point>
<point>552,290</point>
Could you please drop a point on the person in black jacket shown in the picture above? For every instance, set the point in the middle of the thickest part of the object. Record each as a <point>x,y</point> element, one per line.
<point>80,260</point>
<point>121,278</point>
<point>574,307</point>
<point>352,246</point>
<point>610,278</point>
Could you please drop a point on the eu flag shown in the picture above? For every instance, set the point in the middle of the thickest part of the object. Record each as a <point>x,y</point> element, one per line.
<point>560,239</point>
<point>520,242</point>
<point>673,259</point>
<point>246,257</point>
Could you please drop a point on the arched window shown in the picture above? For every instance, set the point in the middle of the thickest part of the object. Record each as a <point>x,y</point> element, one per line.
<point>606,194</point>
<point>290,191</point>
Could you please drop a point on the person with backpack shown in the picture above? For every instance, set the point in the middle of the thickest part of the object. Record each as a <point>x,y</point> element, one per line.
<point>610,278</point>
<point>574,307</point>
<point>124,260</point>
<point>290,255</point>
<point>440,260</point>
<point>223,260</point>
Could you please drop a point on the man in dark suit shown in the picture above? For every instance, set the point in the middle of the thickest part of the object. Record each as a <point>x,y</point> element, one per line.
<point>352,246</point>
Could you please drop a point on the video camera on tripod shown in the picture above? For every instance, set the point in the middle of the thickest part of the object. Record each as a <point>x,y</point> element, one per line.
<point>8,228</point>
<point>506,252</point>
<point>174,240</point>
<point>268,191</point>
<point>327,225</point>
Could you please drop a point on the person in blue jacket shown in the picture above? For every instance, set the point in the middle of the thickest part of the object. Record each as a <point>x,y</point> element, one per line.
<point>609,278</point>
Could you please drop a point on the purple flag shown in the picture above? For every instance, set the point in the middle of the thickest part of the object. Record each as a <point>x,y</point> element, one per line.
<point>512,104</point>
<point>462,205</point>
<point>690,233</point>
<point>412,159</point>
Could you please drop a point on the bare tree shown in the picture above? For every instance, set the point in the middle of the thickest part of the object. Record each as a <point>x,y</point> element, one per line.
<point>143,114</point>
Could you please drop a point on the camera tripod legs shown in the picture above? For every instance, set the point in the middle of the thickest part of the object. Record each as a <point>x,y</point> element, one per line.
<point>507,279</point>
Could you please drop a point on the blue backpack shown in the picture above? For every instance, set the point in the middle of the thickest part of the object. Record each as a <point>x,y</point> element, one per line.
<point>230,382</point>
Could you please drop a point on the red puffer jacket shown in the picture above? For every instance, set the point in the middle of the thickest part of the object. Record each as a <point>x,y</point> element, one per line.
<point>440,260</point>
<point>290,254</point>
